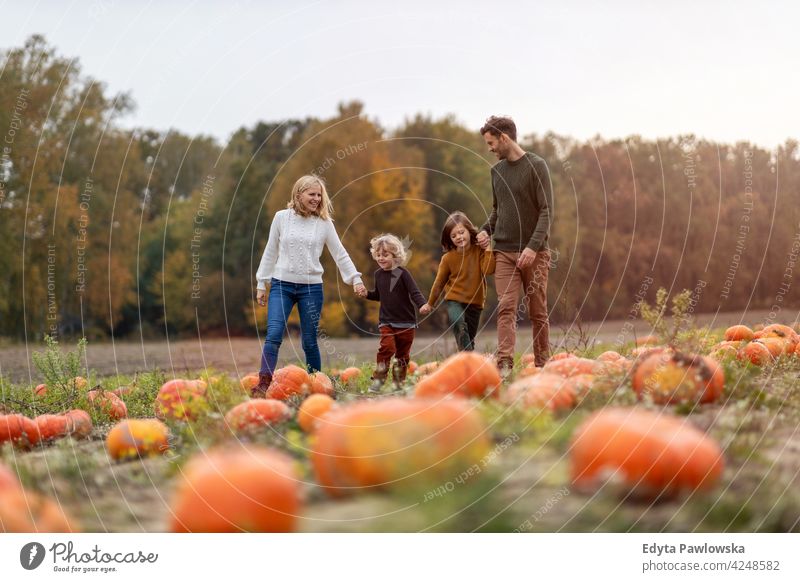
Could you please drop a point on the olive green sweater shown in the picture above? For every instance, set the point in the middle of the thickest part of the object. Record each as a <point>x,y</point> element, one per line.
<point>462,276</point>
<point>522,204</point>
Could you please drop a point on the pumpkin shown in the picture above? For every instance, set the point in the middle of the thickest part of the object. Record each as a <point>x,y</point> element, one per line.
<point>256,414</point>
<point>138,437</point>
<point>52,426</point>
<point>464,374</point>
<point>528,371</point>
<point>23,511</point>
<point>544,390</point>
<point>250,489</point>
<point>528,359</point>
<point>349,374</point>
<point>573,366</point>
<point>648,340</point>
<point>561,356</point>
<point>8,479</point>
<point>249,382</point>
<point>724,352</point>
<point>80,383</point>
<point>110,404</point>
<point>412,367</point>
<point>321,384</point>
<point>124,391</point>
<point>669,377</point>
<point>40,390</point>
<point>79,423</point>
<point>737,333</point>
<point>776,346</point>
<point>180,400</point>
<point>396,442</point>
<point>18,429</point>
<point>312,409</point>
<point>756,353</point>
<point>427,368</point>
<point>289,381</point>
<point>609,356</point>
<point>653,454</point>
<point>780,331</point>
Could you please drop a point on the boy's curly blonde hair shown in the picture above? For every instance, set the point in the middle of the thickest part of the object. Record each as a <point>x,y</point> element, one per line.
<point>393,245</point>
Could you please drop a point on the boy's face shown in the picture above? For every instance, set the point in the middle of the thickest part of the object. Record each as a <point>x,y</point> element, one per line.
<point>460,236</point>
<point>385,259</point>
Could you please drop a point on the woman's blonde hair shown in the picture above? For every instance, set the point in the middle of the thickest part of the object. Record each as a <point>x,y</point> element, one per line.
<point>324,210</point>
<point>392,244</point>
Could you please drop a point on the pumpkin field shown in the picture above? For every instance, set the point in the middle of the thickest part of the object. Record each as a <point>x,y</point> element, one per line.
<point>688,429</point>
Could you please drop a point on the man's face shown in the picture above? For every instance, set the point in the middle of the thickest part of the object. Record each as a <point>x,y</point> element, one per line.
<point>497,145</point>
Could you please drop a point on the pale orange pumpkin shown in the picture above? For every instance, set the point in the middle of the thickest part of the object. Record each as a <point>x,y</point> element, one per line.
<point>349,375</point>
<point>669,377</point>
<point>312,409</point>
<point>237,489</point>
<point>24,511</point>
<point>321,384</point>
<point>465,374</point>
<point>138,437</point>
<point>756,353</point>
<point>40,390</point>
<point>610,356</point>
<point>255,414</point>
<point>396,443</point>
<point>289,381</point>
<point>180,400</point>
<point>249,382</point>
<point>651,454</point>
<point>79,423</point>
<point>110,404</point>
<point>545,390</point>
<point>573,366</point>
<point>737,333</point>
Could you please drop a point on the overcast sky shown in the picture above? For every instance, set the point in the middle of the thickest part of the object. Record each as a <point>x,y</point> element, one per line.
<point>723,70</point>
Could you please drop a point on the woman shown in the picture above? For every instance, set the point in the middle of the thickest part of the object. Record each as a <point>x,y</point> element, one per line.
<point>290,265</point>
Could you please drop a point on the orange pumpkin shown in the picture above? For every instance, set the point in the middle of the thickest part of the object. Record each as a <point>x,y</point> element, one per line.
<point>18,429</point>
<point>528,371</point>
<point>573,366</point>
<point>427,368</point>
<point>135,438</point>
<point>669,377</point>
<point>249,382</point>
<point>561,356</point>
<point>312,409</point>
<point>396,442</point>
<point>528,359</point>
<point>8,479</point>
<point>544,390</point>
<point>321,384</point>
<point>776,346</point>
<point>79,423</point>
<point>349,374</point>
<point>241,489</point>
<point>52,426</point>
<point>289,381</point>
<point>609,356</point>
<point>123,391</point>
<point>40,390</point>
<point>724,352</point>
<point>756,353</point>
<point>465,374</point>
<point>110,404</point>
<point>254,415</point>
<point>737,333</point>
<point>412,367</point>
<point>23,511</point>
<point>180,400</point>
<point>652,453</point>
<point>780,331</point>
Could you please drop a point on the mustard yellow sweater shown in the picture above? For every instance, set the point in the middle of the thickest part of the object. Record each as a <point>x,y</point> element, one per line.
<point>462,276</point>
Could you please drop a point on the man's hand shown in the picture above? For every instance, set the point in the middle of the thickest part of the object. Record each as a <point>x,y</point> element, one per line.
<point>360,290</point>
<point>526,258</point>
<point>261,296</point>
<point>483,239</point>
<point>425,309</point>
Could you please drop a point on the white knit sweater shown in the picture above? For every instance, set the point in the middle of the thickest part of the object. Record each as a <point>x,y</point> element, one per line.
<point>295,246</point>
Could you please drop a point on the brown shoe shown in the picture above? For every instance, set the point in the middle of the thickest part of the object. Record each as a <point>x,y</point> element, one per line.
<point>260,390</point>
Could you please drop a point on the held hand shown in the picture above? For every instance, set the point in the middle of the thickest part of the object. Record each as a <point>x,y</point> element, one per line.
<point>360,290</point>
<point>526,258</point>
<point>261,297</point>
<point>483,239</point>
<point>425,309</point>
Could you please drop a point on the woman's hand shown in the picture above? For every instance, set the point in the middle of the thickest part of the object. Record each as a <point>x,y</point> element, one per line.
<point>261,296</point>
<point>360,290</point>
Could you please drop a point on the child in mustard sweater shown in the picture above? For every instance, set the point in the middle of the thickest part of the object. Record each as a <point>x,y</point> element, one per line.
<point>462,276</point>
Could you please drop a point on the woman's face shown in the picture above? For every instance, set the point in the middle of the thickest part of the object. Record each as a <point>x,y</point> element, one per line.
<point>310,198</point>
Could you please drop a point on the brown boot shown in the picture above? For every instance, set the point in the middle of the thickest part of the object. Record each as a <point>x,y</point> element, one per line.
<point>260,390</point>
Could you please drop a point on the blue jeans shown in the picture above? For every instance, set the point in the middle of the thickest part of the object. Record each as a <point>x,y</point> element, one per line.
<point>464,319</point>
<point>282,298</point>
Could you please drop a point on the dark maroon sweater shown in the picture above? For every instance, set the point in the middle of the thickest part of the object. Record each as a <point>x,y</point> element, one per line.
<point>398,293</point>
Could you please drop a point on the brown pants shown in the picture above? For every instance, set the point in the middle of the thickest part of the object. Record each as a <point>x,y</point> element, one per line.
<point>395,341</point>
<point>508,278</point>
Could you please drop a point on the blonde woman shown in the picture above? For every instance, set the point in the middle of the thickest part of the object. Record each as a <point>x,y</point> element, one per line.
<point>290,267</point>
<point>397,292</point>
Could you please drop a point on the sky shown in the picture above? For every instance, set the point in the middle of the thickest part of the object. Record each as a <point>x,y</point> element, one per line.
<point>726,71</point>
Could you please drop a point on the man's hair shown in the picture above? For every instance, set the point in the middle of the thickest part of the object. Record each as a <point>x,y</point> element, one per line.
<point>497,125</point>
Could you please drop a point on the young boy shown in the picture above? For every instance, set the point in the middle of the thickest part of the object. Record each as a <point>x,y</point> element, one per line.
<point>397,292</point>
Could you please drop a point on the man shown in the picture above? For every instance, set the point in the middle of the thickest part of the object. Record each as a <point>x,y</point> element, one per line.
<point>522,212</point>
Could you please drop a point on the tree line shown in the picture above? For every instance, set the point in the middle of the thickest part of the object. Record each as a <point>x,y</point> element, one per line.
<point>142,233</point>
